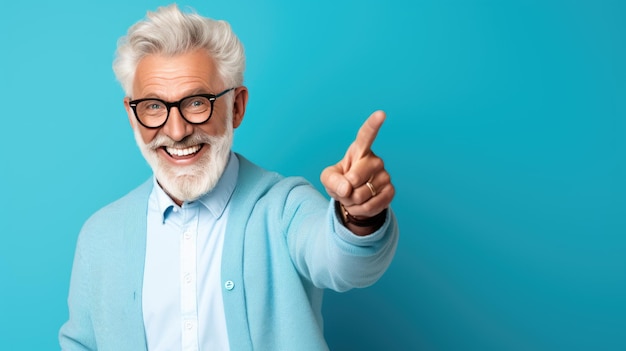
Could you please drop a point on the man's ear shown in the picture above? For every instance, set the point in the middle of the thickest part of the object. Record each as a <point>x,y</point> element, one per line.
<point>239,105</point>
<point>129,112</point>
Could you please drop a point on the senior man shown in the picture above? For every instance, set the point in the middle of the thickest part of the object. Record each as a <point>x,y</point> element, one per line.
<point>213,252</point>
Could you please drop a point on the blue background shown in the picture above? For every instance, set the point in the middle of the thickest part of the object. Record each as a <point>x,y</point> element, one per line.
<point>504,138</point>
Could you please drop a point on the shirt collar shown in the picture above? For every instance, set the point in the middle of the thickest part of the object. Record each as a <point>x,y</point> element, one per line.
<point>215,200</point>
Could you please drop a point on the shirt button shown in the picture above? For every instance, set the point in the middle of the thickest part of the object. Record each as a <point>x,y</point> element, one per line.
<point>187,278</point>
<point>229,285</point>
<point>188,325</point>
<point>187,235</point>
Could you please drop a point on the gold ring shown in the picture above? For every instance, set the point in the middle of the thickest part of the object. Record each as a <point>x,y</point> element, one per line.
<point>372,189</point>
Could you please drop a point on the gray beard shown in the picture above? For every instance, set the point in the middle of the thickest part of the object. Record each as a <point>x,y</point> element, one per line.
<point>188,183</point>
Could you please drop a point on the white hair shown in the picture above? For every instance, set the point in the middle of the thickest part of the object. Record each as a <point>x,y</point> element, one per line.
<point>168,31</point>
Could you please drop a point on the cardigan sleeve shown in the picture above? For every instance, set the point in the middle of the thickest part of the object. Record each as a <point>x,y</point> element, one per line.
<point>325,252</point>
<point>77,333</point>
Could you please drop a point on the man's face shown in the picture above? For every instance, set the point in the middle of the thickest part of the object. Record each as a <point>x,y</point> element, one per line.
<point>187,159</point>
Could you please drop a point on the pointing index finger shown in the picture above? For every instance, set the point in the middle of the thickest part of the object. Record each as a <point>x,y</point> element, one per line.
<point>367,133</point>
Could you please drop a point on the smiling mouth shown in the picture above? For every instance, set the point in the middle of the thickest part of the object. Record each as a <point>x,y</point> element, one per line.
<point>189,151</point>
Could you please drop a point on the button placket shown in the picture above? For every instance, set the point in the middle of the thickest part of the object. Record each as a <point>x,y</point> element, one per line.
<point>188,274</point>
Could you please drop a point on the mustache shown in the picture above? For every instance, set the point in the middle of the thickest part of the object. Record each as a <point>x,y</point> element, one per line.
<point>196,138</point>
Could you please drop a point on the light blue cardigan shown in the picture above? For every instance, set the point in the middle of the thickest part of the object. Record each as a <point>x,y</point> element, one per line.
<point>283,246</point>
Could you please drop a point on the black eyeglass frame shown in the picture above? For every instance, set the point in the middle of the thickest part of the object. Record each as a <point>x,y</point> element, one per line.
<point>211,97</point>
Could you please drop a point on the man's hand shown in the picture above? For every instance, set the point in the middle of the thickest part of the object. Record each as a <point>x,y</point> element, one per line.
<point>359,181</point>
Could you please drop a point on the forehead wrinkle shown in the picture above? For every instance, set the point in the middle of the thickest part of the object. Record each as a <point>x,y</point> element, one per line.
<point>174,88</point>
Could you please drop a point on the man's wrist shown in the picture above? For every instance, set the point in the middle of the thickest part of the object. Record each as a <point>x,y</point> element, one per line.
<point>348,220</point>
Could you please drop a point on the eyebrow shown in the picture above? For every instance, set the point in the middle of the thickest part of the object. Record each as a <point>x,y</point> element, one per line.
<point>197,91</point>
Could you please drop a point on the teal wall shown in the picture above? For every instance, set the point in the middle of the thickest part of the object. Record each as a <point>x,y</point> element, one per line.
<point>504,138</point>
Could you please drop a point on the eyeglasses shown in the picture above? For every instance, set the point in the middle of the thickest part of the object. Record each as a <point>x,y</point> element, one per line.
<point>195,109</point>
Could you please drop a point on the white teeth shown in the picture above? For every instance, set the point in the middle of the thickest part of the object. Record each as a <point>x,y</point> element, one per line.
<point>182,152</point>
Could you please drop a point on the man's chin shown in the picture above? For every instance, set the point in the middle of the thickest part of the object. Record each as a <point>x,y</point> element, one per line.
<point>185,187</point>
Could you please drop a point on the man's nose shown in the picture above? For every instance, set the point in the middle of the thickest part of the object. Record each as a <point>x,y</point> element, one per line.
<point>176,127</point>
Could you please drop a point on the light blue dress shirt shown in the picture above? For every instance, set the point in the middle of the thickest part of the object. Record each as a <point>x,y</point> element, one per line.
<point>182,299</point>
